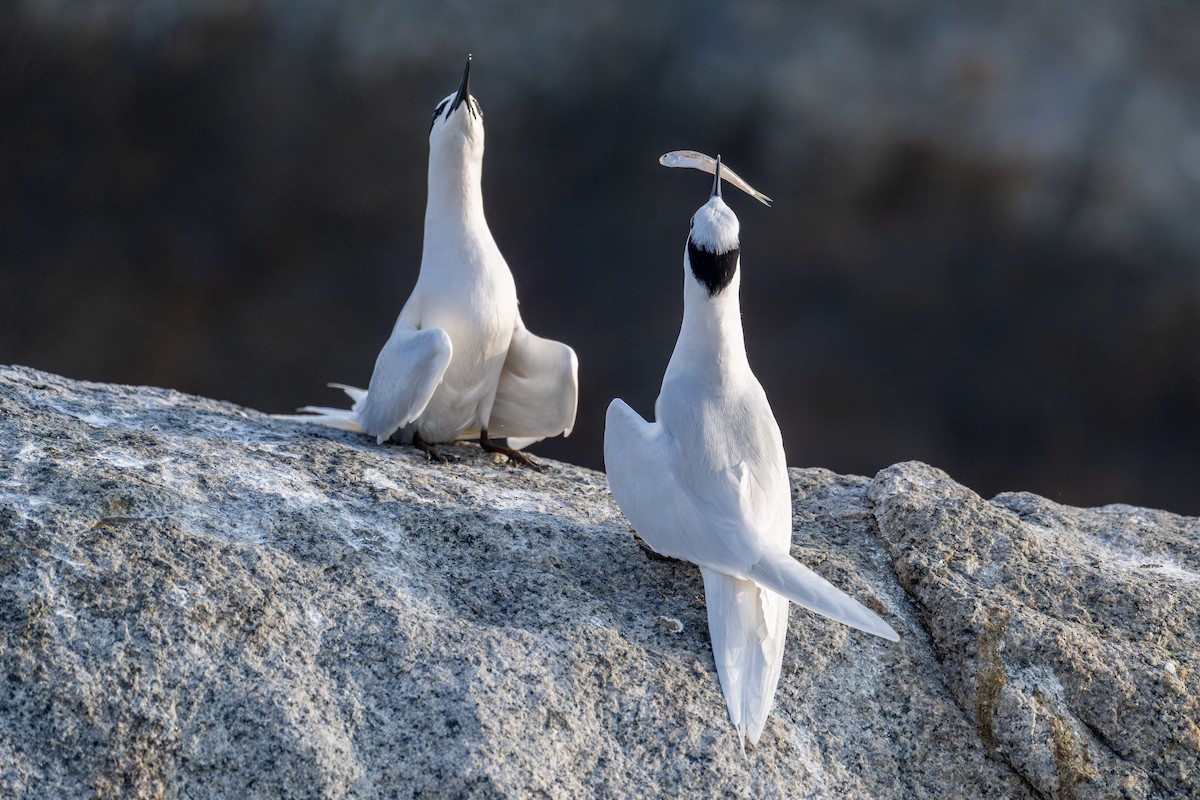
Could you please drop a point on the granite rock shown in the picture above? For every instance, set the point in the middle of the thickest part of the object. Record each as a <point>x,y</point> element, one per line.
<point>1069,635</point>
<point>199,601</point>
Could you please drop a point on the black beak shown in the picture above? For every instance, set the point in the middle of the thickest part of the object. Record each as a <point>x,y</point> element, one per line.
<point>716,190</point>
<point>464,89</point>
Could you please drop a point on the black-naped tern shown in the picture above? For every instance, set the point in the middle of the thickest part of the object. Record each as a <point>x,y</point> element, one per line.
<point>707,481</point>
<point>460,362</point>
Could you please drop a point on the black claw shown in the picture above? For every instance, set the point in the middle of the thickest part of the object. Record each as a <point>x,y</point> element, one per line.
<point>430,454</point>
<point>514,456</point>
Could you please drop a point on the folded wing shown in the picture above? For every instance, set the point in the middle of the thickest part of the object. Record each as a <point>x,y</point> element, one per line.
<point>408,370</point>
<point>646,475</point>
<point>538,391</point>
<point>798,583</point>
<point>713,525</point>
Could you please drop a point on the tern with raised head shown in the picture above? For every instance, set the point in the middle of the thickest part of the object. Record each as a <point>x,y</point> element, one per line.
<point>707,481</point>
<point>460,362</point>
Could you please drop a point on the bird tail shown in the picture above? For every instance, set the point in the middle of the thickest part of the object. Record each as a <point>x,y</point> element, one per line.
<point>787,576</point>
<point>345,419</point>
<point>748,625</point>
<point>357,395</point>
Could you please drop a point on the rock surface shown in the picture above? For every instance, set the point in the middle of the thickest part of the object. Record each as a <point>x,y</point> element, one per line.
<point>199,601</point>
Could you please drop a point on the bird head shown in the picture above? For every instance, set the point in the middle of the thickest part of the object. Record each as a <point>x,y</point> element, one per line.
<point>457,120</point>
<point>712,246</point>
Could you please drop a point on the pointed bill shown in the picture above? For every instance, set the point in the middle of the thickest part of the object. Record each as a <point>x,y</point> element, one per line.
<point>695,160</point>
<point>464,88</point>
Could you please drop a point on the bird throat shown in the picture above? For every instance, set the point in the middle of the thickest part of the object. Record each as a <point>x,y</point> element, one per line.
<point>714,270</point>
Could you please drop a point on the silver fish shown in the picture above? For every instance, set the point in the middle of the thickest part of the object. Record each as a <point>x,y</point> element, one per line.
<point>695,160</point>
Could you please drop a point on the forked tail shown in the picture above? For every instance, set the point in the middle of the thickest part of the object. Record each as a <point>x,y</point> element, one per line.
<point>345,419</point>
<point>748,625</point>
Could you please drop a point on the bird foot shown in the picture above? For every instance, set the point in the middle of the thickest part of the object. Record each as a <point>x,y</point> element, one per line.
<point>514,456</point>
<point>430,454</point>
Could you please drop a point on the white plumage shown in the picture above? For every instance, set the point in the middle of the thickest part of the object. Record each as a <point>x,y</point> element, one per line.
<point>707,481</point>
<point>460,362</point>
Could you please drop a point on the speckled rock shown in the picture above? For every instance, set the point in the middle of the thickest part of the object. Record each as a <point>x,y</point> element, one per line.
<point>1069,635</point>
<point>199,601</point>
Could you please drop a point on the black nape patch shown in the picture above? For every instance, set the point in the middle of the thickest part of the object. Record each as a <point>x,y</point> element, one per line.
<point>437,112</point>
<point>714,270</point>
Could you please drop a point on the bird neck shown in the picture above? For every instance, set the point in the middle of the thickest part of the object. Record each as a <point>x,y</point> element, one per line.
<point>711,334</point>
<point>455,190</point>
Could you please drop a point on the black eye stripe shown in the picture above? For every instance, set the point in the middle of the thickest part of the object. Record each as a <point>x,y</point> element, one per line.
<point>714,270</point>
<point>437,112</point>
<point>472,106</point>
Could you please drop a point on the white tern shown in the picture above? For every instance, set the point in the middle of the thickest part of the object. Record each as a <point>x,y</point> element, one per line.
<point>707,481</point>
<point>460,362</point>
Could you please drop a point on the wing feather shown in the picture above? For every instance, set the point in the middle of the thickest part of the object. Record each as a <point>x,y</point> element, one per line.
<point>407,372</point>
<point>798,583</point>
<point>538,391</point>
<point>719,530</point>
<point>643,465</point>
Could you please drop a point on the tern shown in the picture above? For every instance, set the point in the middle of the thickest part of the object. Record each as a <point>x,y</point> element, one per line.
<point>460,362</point>
<point>707,481</point>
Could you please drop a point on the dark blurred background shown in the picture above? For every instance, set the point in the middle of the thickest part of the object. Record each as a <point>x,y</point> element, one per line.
<point>984,251</point>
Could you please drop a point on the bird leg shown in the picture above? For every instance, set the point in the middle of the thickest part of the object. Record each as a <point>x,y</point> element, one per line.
<point>425,448</point>
<point>515,456</point>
